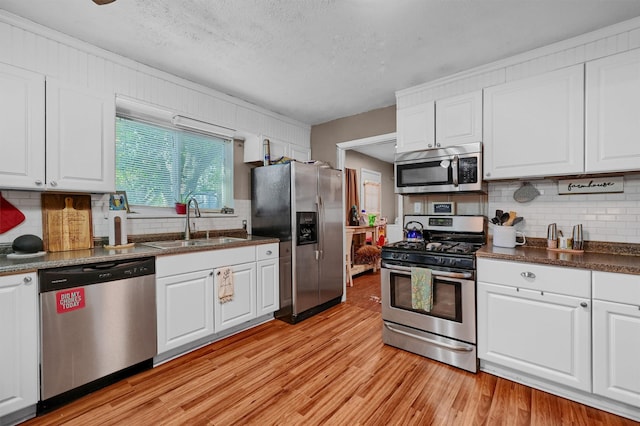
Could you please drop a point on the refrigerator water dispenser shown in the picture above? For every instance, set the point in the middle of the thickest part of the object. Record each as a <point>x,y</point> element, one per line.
<point>307,232</point>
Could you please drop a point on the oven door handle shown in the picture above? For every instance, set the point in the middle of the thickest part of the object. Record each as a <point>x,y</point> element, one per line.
<point>458,348</point>
<point>406,270</point>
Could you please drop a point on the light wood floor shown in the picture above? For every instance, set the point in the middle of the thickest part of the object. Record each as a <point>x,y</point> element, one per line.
<point>330,369</point>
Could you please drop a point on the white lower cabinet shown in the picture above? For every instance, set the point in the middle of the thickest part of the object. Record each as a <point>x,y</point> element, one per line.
<point>242,306</point>
<point>616,337</point>
<point>536,319</point>
<point>268,272</point>
<point>185,313</point>
<point>188,304</point>
<point>19,348</point>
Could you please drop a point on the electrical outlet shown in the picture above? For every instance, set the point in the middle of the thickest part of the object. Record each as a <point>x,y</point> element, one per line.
<point>417,207</point>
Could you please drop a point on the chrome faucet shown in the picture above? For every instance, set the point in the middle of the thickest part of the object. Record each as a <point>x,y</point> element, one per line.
<point>187,227</point>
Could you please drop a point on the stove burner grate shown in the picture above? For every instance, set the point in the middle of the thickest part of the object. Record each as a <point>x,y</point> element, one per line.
<point>452,247</point>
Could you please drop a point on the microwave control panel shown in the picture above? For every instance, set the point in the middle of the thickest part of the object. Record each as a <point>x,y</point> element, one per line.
<point>468,170</point>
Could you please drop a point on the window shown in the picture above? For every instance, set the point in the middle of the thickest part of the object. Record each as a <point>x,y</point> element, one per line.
<point>371,191</point>
<point>158,164</point>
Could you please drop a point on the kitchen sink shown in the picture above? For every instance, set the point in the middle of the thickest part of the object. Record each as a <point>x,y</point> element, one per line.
<point>203,242</point>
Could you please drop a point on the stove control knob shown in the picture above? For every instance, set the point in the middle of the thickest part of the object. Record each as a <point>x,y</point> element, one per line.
<point>441,261</point>
<point>405,256</point>
<point>452,262</point>
<point>394,255</point>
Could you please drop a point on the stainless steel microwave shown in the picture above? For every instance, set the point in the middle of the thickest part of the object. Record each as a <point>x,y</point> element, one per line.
<point>451,169</point>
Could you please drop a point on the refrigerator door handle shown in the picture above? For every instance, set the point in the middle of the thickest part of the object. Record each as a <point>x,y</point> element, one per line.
<point>320,210</point>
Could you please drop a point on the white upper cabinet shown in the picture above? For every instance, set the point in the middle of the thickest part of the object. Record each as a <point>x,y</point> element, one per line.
<point>459,119</point>
<point>299,153</point>
<point>535,126</point>
<point>22,128</point>
<point>416,127</point>
<point>75,144</point>
<point>613,113</point>
<point>80,138</point>
<point>254,149</point>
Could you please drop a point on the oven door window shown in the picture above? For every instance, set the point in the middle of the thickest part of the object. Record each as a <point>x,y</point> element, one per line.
<point>423,174</point>
<point>446,294</point>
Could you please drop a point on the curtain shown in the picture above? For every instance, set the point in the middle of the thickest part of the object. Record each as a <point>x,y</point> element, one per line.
<point>351,185</point>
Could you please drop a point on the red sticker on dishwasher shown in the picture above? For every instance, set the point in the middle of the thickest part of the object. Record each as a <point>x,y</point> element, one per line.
<point>70,300</point>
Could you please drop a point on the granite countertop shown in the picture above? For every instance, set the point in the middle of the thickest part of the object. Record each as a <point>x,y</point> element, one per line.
<point>100,254</point>
<point>622,258</point>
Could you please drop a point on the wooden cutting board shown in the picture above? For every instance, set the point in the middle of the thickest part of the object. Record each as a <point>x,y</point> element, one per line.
<point>66,222</point>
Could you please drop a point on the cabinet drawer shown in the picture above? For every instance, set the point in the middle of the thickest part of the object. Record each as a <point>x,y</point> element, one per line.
<point>574,282</point>
<point>267,251</point>
<point>621,288</point>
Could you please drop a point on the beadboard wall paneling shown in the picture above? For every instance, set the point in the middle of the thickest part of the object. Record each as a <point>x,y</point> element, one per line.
<point>605,217</point>
<point>597,44</point>
<point>34,47</point>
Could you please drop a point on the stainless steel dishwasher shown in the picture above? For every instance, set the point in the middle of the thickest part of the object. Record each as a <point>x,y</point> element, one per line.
<point>98,325</point>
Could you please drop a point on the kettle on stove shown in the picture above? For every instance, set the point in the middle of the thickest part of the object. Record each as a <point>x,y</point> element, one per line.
<point>414,233</point>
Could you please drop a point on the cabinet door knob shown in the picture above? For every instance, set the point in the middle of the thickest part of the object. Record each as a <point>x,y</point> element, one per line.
<point>430,145</point>
<point>269,252</point>
<point>528,274</point>
<point>584,304</point>
<point>438,145</point>
<point>487,174</point>
<point>27,280</point>
<point>53,183</point>
<point>38,182</point>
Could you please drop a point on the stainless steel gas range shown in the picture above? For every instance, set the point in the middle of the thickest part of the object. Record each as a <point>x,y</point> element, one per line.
<point>446,329</point>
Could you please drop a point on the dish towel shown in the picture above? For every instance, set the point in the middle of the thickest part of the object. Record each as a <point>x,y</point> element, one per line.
<point>421,289</point>
<point>224,276</point>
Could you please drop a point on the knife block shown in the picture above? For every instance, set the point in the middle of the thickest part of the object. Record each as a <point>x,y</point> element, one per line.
<point>117,227</point>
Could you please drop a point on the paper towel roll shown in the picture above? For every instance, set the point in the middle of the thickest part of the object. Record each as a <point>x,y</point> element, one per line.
<point>117,227</point>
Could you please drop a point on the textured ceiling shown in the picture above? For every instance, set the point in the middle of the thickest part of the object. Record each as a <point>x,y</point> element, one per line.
<point>318,60</point>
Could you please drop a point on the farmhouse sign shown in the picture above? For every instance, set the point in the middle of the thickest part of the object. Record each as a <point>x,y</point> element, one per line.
<point>591,185</point>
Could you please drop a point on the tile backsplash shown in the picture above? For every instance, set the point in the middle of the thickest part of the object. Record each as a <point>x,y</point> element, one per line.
<point>611,217</point>
<point>29,203</point>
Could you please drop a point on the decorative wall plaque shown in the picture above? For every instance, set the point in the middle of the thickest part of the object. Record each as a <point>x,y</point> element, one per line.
<point>591,185</point>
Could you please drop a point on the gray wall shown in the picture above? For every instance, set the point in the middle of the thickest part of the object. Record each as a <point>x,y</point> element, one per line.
<point>325,136</point>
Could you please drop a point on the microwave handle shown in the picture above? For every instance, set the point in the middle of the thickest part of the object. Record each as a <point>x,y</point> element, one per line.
<point>454,169</point>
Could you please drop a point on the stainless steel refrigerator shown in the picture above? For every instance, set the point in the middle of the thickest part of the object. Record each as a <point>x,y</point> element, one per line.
<point>301,204</point>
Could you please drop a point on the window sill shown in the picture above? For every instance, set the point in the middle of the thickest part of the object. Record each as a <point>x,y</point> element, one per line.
<point>138,212</point>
